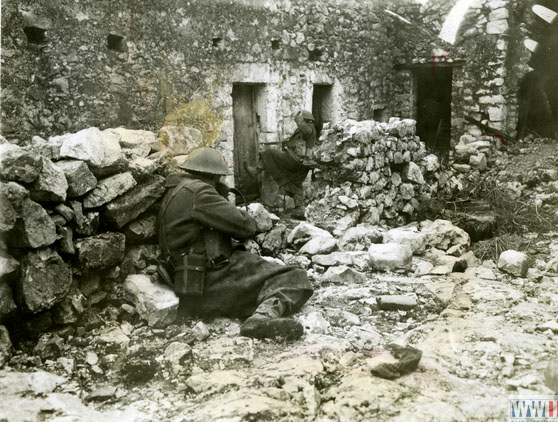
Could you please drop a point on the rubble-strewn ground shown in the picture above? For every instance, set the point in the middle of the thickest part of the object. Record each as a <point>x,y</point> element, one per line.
<point>484,335</point>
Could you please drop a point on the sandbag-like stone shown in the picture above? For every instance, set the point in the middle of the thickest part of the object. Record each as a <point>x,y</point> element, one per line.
<point>462,153</point>
<point>45,279</point>
<point>156,304</point>
<point>99,149</point>
<point>5,346</point>
<point>179,140</point>
<point>129,206</point>
<point>390,256</point>
<point>514,263</point>
<point>101,251</point>
<point>273,240</point>
<point>51,185</point>
<point>34,228</point>
<point>7,304</point>
<point>19,164</point>
<point>108,189</point>
<point>80,179</point>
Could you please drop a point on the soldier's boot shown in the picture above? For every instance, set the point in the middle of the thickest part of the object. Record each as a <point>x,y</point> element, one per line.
<point>298,211</point>
<point>267,322</point>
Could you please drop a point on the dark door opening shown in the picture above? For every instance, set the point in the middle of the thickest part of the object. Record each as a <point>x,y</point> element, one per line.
<point>246,133</point>
<point>434,106</point>
<point>321,105</point>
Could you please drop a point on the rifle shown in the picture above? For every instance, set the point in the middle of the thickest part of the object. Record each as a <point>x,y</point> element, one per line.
<point>491,131</point>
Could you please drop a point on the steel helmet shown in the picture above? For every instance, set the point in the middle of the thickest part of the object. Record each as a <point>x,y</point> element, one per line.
<point>306,115</point>
<point>207,161</point>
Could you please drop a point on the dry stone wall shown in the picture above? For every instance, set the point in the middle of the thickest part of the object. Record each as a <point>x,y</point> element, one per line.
<point>371,172</point>
<point>78,212</point>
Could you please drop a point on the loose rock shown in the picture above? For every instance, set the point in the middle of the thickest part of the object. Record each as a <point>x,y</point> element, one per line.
<point>390,256</point>
<point>514,262</point>
<point>343,275</point>
<point>407,236</point>
<point>396,302</point>
<point>156,304</point>
<point>262,217</point>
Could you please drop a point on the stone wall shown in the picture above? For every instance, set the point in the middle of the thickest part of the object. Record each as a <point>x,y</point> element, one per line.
<point>78,215</point>
<point>371,173</point>
<point>144,65</point>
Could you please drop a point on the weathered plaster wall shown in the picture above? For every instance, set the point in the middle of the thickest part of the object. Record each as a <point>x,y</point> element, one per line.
<point>179,60</point>
<point>176,52</point>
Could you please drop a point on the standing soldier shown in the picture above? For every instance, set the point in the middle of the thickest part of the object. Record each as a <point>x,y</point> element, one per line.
<point>212,276</point>
<point>290,166</point>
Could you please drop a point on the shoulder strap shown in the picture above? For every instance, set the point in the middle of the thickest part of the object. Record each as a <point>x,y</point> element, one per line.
<point>161,224</point>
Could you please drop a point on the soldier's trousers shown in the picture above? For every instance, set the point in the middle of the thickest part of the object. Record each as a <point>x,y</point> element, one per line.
<point>236,289</point>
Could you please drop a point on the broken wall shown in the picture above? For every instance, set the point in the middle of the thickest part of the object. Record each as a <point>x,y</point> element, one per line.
<point>488,58</point>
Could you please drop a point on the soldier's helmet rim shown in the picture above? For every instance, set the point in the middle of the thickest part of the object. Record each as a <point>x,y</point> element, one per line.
<point>307,115</point>
<point>207,161</point>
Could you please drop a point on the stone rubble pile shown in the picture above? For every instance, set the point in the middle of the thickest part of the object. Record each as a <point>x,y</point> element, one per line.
<point>78,211</point>
<point>473,155</point>
<point>371,172</point>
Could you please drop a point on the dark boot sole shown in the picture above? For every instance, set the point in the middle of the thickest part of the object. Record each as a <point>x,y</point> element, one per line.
<point>285,328</point>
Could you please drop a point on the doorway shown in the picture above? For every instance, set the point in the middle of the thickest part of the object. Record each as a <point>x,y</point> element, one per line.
<point>433,96</point>
<point>322,105</point>
<point>247,127</point>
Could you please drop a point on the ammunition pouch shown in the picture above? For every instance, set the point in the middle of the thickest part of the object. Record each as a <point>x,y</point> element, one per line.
<point>189,274</point>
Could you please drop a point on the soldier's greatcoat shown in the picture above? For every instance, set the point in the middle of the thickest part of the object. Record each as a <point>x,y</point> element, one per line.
<point>239,285</point>
<point>286,167</point>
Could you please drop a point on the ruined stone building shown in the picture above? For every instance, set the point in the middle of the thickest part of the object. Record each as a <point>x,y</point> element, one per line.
<point>238,70</point>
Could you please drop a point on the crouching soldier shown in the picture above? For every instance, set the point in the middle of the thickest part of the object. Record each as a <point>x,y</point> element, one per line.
<point>196,227</point>
<point>290,166</point>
